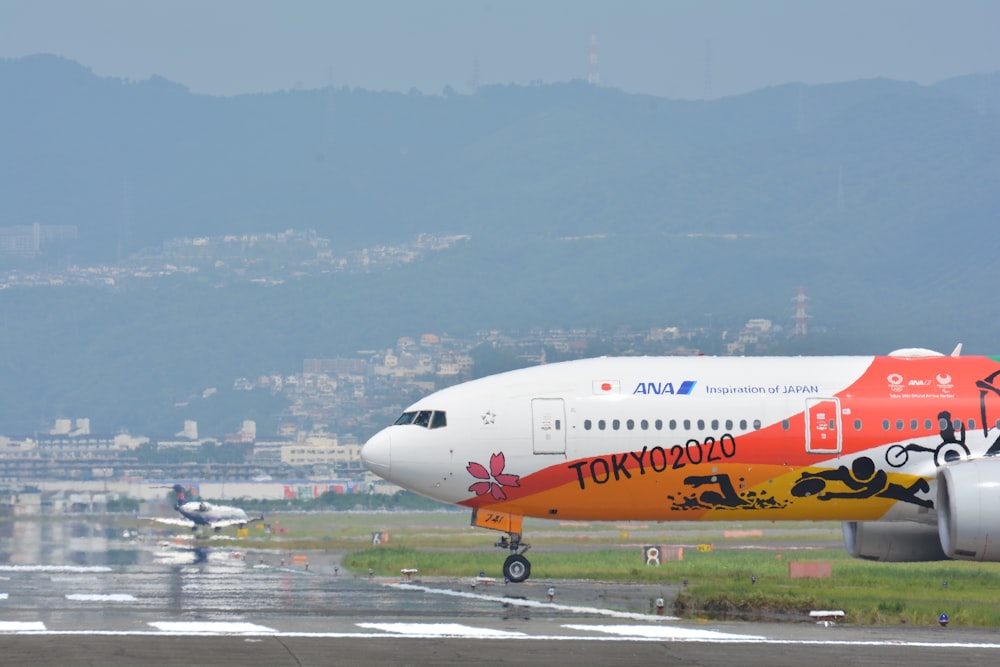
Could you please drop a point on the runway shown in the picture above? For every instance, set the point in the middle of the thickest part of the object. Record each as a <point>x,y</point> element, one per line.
<point>124,602</point>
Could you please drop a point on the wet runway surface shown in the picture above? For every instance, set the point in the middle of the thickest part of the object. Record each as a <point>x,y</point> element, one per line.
<point>77,594</point>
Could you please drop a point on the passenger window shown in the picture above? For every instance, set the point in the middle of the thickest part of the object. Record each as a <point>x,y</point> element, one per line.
<point>899,424</point>
<point>440,420</point>
<point>615,424</point>
<point>729,424</point>
<point>743,424</point>
<point>687,424</point>
<point>857,424</point>
<point>601,425</point>
<point>927,424</point>
<point>673,424</point>
<point>558,424</point>
<point>715,424</point>
<point>885,424</point>
<point>942,423</point>
<point>972,424</point>
<point>586,424</point>
<point>644,425</point>
<point>785,424</point>
<point>914,425</point>
<point>658,424</point>
<point>756,424</point>
<point>701,424</point>
<point>958,424</point>
<point>630,424</point>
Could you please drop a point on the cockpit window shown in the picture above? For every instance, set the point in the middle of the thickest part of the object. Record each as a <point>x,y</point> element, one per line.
<point>405,418</point>
<point>425,418</point>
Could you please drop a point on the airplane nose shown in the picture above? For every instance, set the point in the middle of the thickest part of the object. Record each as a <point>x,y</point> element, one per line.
<point>376,454</point>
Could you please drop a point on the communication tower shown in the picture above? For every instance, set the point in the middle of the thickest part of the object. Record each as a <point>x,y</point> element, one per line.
<point>126,223</point>
<point>474,81</point>
<point>800,313</point>
<point>707,87</point>
<point>594,73</point>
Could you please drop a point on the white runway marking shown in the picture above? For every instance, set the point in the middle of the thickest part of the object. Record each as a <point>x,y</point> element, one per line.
<point>625,633</point>
<point>21,626</point>
<point>54,568</point>
<point>94,597</point>
<point>212,627</point>
<point>439,630</point>
<point>664,632</point>
<point>535,604</point>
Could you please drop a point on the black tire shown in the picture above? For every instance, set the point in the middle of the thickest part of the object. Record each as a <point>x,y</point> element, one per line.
<point>516,568</point>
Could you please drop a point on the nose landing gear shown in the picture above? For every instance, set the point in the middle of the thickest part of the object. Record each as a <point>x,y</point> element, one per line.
<point>516,567</point>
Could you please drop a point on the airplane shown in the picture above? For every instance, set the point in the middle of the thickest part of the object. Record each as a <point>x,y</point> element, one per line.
<point>197,513</point>
<point>901,448</point>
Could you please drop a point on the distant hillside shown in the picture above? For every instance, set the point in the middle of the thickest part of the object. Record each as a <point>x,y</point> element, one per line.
<point>586,207</point>
<point>132,164</point>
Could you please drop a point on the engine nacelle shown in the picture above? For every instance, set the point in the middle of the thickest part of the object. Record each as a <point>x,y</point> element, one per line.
<point>968,507</point>
<point>893,541</point>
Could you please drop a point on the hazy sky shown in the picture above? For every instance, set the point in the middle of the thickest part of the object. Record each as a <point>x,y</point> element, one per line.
<point>674,48</point>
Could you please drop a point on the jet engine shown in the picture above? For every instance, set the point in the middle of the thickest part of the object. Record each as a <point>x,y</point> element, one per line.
<point>892,541</point>
<point>968,507</point>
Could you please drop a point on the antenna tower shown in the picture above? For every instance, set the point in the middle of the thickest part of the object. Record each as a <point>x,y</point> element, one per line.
<point>800,313</point>
<point>126,223</point>
<point>474,81</point>
<point>707,89</point>
<point>594,73</point>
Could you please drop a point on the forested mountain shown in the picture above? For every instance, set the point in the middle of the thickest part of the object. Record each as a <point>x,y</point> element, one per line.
<point>136,163</point>
<point>586,207</point>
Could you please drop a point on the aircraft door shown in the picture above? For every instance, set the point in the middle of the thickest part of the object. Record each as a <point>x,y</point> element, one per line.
<point>548,425</point>
<point>823,426</point>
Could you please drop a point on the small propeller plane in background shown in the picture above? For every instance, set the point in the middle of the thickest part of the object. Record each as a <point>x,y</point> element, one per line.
<point>196,513</point>
<point>903,449</point>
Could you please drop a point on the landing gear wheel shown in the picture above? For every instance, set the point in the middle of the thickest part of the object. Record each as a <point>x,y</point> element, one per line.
<point>516,568</point>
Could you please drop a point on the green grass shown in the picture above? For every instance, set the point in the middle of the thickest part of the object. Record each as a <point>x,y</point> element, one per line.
<point>719,583</point>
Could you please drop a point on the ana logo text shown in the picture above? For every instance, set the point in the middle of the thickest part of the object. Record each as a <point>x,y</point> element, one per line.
<point>664,388</point>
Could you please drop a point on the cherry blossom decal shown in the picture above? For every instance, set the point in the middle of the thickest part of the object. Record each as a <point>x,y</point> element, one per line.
<point>493,480</point>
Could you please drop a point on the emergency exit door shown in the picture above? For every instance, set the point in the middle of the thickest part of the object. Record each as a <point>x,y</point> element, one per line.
<point>548,417</point>
<point>823,425</point>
